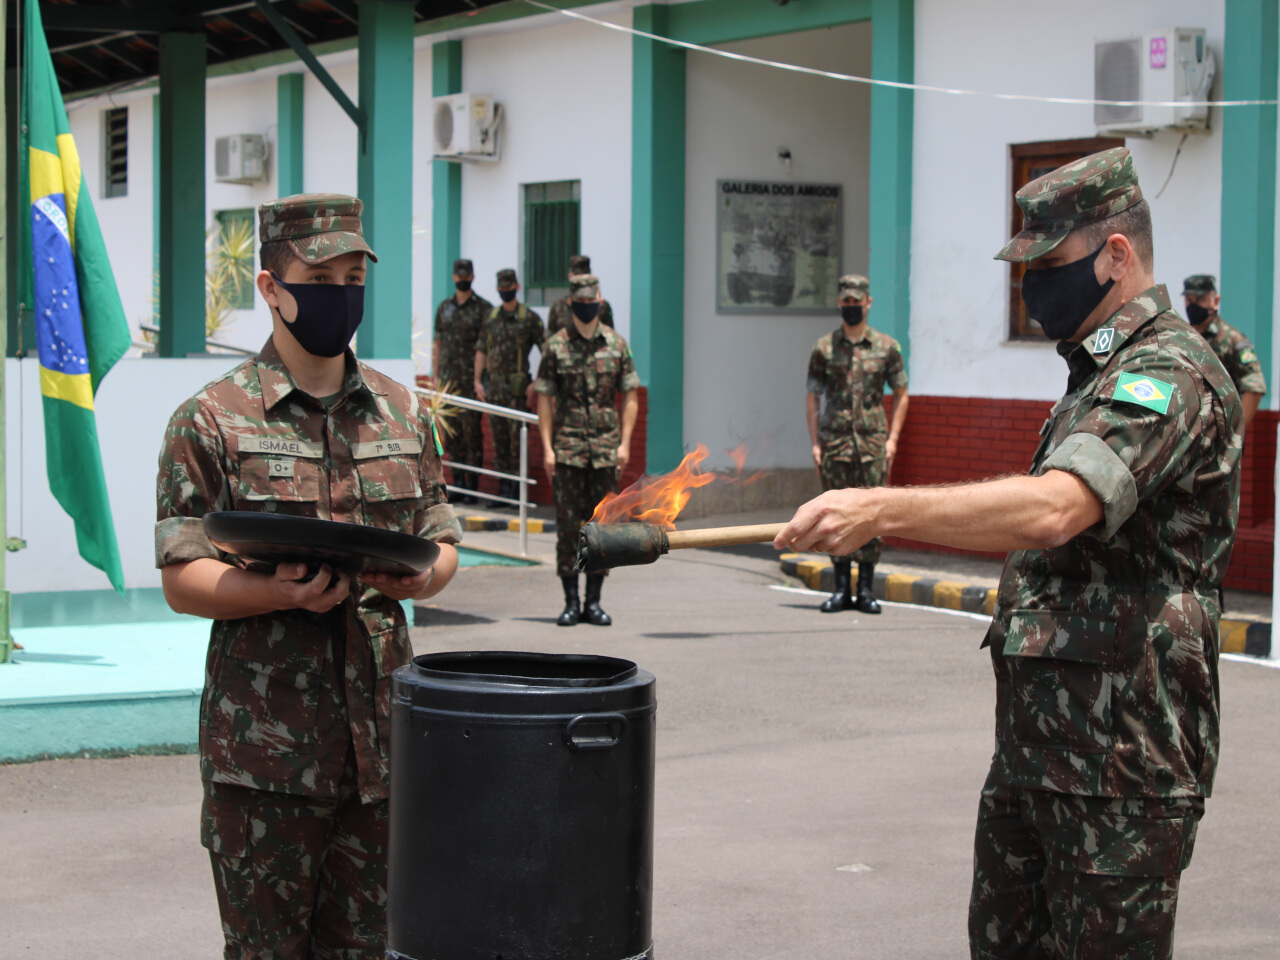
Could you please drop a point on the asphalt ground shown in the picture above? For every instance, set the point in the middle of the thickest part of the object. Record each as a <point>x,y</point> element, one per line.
<point>791,744</point>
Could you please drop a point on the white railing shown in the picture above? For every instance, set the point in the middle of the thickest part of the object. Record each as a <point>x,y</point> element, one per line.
<point>522,480</point>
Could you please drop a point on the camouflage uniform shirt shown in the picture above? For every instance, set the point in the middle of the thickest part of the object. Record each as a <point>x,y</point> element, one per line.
<point>287,692</point>
<point>1237,355</point>
<point>1105,649</point>
<point>584,378</point>
<point>560,316</point>
<point>457,330</point>
<point>505,340</point>
<point>849,380</point>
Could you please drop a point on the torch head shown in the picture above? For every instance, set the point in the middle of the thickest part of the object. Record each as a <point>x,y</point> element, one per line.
<point>603,546</point>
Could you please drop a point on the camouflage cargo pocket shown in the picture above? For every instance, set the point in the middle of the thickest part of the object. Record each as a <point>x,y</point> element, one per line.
<point>389,488</point>
<point>265,705</point>
<point>1135,846</point>
<point>275,479</point>
<point>224,827</point>
<point>1059,664</point>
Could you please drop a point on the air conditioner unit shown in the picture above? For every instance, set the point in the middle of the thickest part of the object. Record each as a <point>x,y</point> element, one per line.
<point>241,158</point>
<point>1165,66</point>
<point>465,125</point>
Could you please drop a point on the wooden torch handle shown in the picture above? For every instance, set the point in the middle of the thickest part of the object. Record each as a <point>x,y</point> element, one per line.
<point>723,536</point>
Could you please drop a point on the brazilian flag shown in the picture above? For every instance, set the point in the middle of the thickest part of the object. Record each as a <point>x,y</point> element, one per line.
<point>80,325</point>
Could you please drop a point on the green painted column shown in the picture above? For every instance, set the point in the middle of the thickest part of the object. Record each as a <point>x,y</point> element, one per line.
<point>385,175</point>
<point>289,134</point>
<point>182,197</point>
<point>1249,72</point>
<point>657,234</point>
<point>892,58</point>
<point>155,199</point>
<point>446,178</point>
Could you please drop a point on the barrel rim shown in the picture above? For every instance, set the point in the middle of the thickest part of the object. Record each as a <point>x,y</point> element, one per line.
<point>608,672</point>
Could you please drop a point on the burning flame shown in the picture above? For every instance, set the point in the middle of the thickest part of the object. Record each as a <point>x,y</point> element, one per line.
<point>659,500</point>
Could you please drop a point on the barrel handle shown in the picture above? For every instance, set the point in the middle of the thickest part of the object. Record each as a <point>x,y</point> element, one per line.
<point>617,724</point>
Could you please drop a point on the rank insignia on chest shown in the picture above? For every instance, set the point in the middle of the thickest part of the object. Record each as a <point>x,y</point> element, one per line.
<point>1144,391</point>
<point>1103,339</point>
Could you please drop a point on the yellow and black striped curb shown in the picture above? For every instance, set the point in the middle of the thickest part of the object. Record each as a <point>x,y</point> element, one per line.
<point>512,525</point>
<point>1245,636</point>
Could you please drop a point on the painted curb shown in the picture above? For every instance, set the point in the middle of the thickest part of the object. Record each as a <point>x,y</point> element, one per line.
<point>1236,636</point>
<point>513,525</point>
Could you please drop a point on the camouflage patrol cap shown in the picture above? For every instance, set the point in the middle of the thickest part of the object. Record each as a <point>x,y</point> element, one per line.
<point>1077,194</point>
<point>318,226</point>
<point>584,286</point>
<point>1199,284</point>
<point>462,266</point>
<point>854,286</point>
<point>507,279</point>
<point>579,263</point>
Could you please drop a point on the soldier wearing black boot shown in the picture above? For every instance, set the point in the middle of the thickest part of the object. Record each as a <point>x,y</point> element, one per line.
<point>585,444</point>
<point>853,442</point>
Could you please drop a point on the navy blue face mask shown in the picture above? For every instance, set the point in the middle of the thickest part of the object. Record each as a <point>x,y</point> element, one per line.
<point>1061,298</point>
<point>328,314</point>
<point>585,310</point>
<point>852,315</point>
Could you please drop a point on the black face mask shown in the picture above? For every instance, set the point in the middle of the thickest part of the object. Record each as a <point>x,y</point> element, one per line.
<point>328,314</point>
<point>1060,298</point>
<point>462,285</point>
<point>585,310</point>
<point>851,315</point>
<point>1198,314</point>
<point>508,296</point>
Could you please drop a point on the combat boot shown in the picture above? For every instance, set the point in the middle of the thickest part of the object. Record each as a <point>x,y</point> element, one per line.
<point>572,607</point>
<point>591,611</point>
<point>842,598</point>
<point>866,600</point>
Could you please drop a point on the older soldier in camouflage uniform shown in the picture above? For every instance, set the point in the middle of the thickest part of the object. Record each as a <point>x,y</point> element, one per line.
<point>853,444</point>
<point>584,368</point>
<point>295,715</point>
<point>457,330</point>
<point>502,373</point>
<point>1200,294</point>
<point>561,313</point>
<point>1105,635</point>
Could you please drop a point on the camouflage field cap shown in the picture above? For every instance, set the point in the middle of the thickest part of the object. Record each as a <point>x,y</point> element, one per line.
<point>579,263</point>
<point>463,267</point>
<point>318,226</point>
<point>507,279</point>
<point>584,286</point>
<point>855,286</point>
<point>1199,284</point>
<point>1082,192</point>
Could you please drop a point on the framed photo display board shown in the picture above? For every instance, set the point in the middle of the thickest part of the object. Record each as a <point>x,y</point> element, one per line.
<point>777,246</point>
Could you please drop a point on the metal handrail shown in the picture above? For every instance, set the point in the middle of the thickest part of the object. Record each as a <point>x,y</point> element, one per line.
<point>466,403</point>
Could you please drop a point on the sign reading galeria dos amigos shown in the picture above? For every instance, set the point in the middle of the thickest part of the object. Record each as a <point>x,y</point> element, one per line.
<point>777,246</point>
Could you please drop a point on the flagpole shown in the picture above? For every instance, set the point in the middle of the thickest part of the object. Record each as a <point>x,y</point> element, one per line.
<point>6,638</point>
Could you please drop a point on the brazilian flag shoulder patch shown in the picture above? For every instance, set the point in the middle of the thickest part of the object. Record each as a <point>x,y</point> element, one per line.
<point>1145,391</point>
<point>435,435</point>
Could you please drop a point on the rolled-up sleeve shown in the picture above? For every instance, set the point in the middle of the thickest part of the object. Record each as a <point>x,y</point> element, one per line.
<point>1103,472</point>
<point>190,483</point>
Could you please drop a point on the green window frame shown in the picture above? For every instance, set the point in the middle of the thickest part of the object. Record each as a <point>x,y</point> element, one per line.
<point>552,233</point>
<point>241,295</point>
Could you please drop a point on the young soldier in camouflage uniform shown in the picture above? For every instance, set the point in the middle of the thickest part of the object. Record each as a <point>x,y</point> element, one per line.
<point>561,313</point>
<point>1232,347</point>
<point>295,716</point>
<point>457,329</point>
<point>502,373</point>
<point>1105,635</point>
<point>853,444</point>
<point>584,368</point>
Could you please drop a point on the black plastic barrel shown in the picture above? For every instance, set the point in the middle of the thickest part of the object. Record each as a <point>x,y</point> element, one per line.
<point>521,808</point>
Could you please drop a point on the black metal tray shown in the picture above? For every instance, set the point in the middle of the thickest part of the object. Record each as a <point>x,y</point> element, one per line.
<point>272,538</point>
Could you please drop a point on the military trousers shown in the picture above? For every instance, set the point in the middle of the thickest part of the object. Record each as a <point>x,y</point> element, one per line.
<point>298,878</point>
<point>506,434</point>
<point>841,474</point>
<point>466,443</point>
<point>577,491</point>
<point>1064,877</point>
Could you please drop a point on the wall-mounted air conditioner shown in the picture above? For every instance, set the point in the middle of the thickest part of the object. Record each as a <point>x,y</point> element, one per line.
<point>464,126</point>
<point>241,158</point>
<point>1168,65</point>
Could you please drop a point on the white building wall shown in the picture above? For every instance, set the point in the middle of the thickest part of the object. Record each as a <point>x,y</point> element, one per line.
<point>745,374</point>
<point>961,198</point>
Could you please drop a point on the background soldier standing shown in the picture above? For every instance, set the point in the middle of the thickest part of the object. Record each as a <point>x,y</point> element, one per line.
<point>853,443</point>
<point>584,368</point>
<point>502,374</point>
<point>1104,641</point>
<point>561,313</point>
<point>294,718</point>
<point>1233,348</point>
<point>457,328</point>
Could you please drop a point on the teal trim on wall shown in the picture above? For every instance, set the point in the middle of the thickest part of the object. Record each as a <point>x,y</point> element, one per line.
<point>289,117</point>
<point>446,179</point>
<point>727,21</point>
<point>155,198</point>
<point>1249,173</point>
<point>384,172</point>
